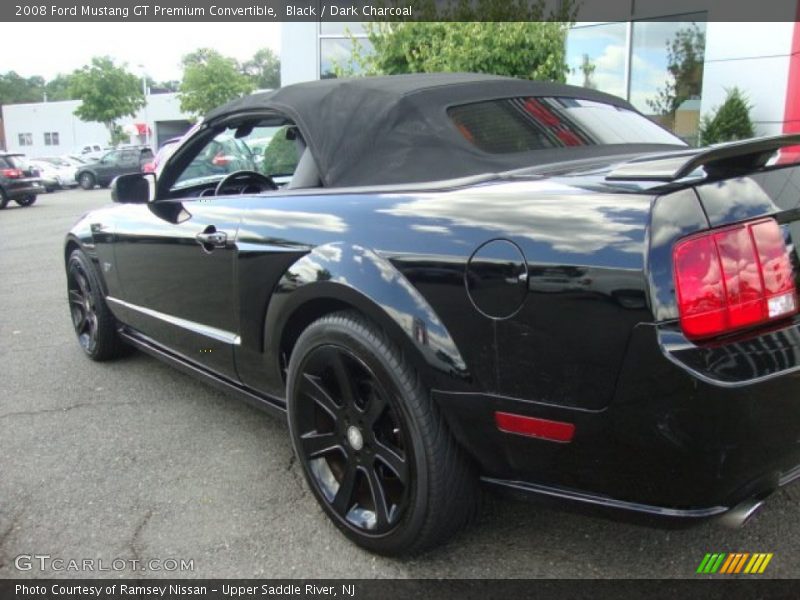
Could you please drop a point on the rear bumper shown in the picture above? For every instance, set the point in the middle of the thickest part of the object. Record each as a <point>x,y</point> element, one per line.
<point>691,432</point>
<point>20,189</point>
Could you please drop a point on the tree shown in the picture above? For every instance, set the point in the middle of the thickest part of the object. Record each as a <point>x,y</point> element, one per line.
<point>730,122</point>
<point>59,88</point>
<point>107,93</point>
<point>264,69</point>
<point>685,55</point>
<point>15,89</point>
<point>210,79</point>
<point>449,38</point>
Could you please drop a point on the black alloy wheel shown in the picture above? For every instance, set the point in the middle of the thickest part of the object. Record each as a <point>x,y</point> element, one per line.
<point>352,440</point>
<point>374,450</point>
<point>4,199</point>
<point>82,307</point>
<point>86,181</point>
<point>93,322</point>
<point>26,200</point>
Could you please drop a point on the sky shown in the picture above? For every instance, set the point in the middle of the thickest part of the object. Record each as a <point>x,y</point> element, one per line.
<point>47,49</point>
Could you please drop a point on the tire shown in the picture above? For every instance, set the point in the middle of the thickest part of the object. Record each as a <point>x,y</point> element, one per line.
<point>86,181</point>
<point>95,326</point>
<point>388,437</point>
<point>28,200</point>
<point>3,198</point>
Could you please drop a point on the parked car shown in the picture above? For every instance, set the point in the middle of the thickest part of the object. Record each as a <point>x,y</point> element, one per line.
<point>164,152</point>
<point>74,160</point>
<point>91,152</point>
<point>522,283</point>
<point>112,164</point>
<point>55,173</point>
<point>19,181</point>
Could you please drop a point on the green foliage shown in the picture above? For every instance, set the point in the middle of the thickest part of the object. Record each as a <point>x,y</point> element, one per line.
<point>107,92</point>
<point>729,122</point>
<point>118,135</point>
<point>264,69</point>
<point>59,88</point>
<point>514,38</point>
<point>15,89</point>
<point>685,56</point>
<point>529,50</point>
<point>280,155</point>
<point>209,80</point>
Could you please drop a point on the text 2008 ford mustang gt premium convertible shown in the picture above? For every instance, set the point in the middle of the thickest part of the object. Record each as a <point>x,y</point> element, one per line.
<point>447,279</point>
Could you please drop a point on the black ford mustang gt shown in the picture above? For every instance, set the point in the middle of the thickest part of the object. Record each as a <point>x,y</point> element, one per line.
<point>444,279</point>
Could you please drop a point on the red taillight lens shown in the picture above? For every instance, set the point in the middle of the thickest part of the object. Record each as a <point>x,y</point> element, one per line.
<point>221,160</point>
<point>11,173</point>
<point>733,278</point>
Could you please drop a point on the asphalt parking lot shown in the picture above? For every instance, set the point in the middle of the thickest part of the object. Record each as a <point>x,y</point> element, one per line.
<point>135,460</point>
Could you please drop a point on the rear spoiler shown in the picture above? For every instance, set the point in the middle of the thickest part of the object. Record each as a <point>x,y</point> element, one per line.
<point>729,159</point>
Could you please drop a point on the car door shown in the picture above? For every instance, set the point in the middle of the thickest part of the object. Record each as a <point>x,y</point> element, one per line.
<point>106,168</point>
<point>175,263</point>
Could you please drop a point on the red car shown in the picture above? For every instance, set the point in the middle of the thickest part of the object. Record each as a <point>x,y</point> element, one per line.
<point>164,152</point>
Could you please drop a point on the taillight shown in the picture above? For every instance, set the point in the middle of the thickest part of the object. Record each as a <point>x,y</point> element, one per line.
<point>11,173</point>
<point>732,278</point>
<point>221,160</point>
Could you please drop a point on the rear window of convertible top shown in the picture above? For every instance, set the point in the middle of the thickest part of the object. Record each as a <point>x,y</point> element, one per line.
<point>522,124</point>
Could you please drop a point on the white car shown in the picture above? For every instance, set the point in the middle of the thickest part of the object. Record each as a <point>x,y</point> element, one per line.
<point>55,173</point>
<point>90,151</point>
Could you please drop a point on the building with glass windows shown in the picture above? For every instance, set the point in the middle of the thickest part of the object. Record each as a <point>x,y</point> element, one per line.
<point>673,68</point>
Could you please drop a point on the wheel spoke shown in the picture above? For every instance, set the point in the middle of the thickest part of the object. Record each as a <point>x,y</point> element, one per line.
<point>343,378</point>
<point>375,408</point>
<point>394,461</point>
<point>378,498</point>
<point>317,444</point>
<point>344,495</point>
<point>91,319</point>
<point>81,324</point>
<point>312,387</point>
<point>75,297</point>
<point>81,280</point>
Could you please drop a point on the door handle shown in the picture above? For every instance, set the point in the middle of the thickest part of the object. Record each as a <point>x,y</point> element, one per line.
<point>212,239</point>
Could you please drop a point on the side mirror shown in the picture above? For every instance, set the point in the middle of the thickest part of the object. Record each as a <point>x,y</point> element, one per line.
<point>134,188</point>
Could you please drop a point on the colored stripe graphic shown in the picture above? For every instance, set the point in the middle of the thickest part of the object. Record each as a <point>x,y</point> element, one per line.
<point>764,564</point>
<point>711,563</point>
<point>703,563</point>
<point>727,564</point>
<point>734,563</point>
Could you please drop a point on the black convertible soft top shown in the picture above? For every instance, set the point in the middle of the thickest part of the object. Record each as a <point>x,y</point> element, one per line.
<point>386,130</point>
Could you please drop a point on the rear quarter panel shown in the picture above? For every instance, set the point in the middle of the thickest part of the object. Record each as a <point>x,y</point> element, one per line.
<point>582,253</point>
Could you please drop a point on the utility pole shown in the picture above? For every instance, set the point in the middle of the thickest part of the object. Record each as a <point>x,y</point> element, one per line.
<point>144,92</point>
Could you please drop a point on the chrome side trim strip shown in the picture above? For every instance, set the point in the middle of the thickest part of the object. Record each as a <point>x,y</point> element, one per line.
<point>273,405</point>
<point>211,332</point>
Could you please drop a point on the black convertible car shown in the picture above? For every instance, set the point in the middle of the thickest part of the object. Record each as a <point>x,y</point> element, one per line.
<point>447,279</point>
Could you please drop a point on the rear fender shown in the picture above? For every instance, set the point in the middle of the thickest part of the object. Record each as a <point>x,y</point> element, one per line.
<point>357,277</point>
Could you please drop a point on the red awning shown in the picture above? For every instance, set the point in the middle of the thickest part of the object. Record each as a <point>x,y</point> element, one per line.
<point>142,128</point>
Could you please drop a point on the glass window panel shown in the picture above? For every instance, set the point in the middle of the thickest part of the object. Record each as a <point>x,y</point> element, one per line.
<point>523,124</point>
<point>667,72</point>
<point>341,28</point>
<point>337,51</point>
<point>596,57</point>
